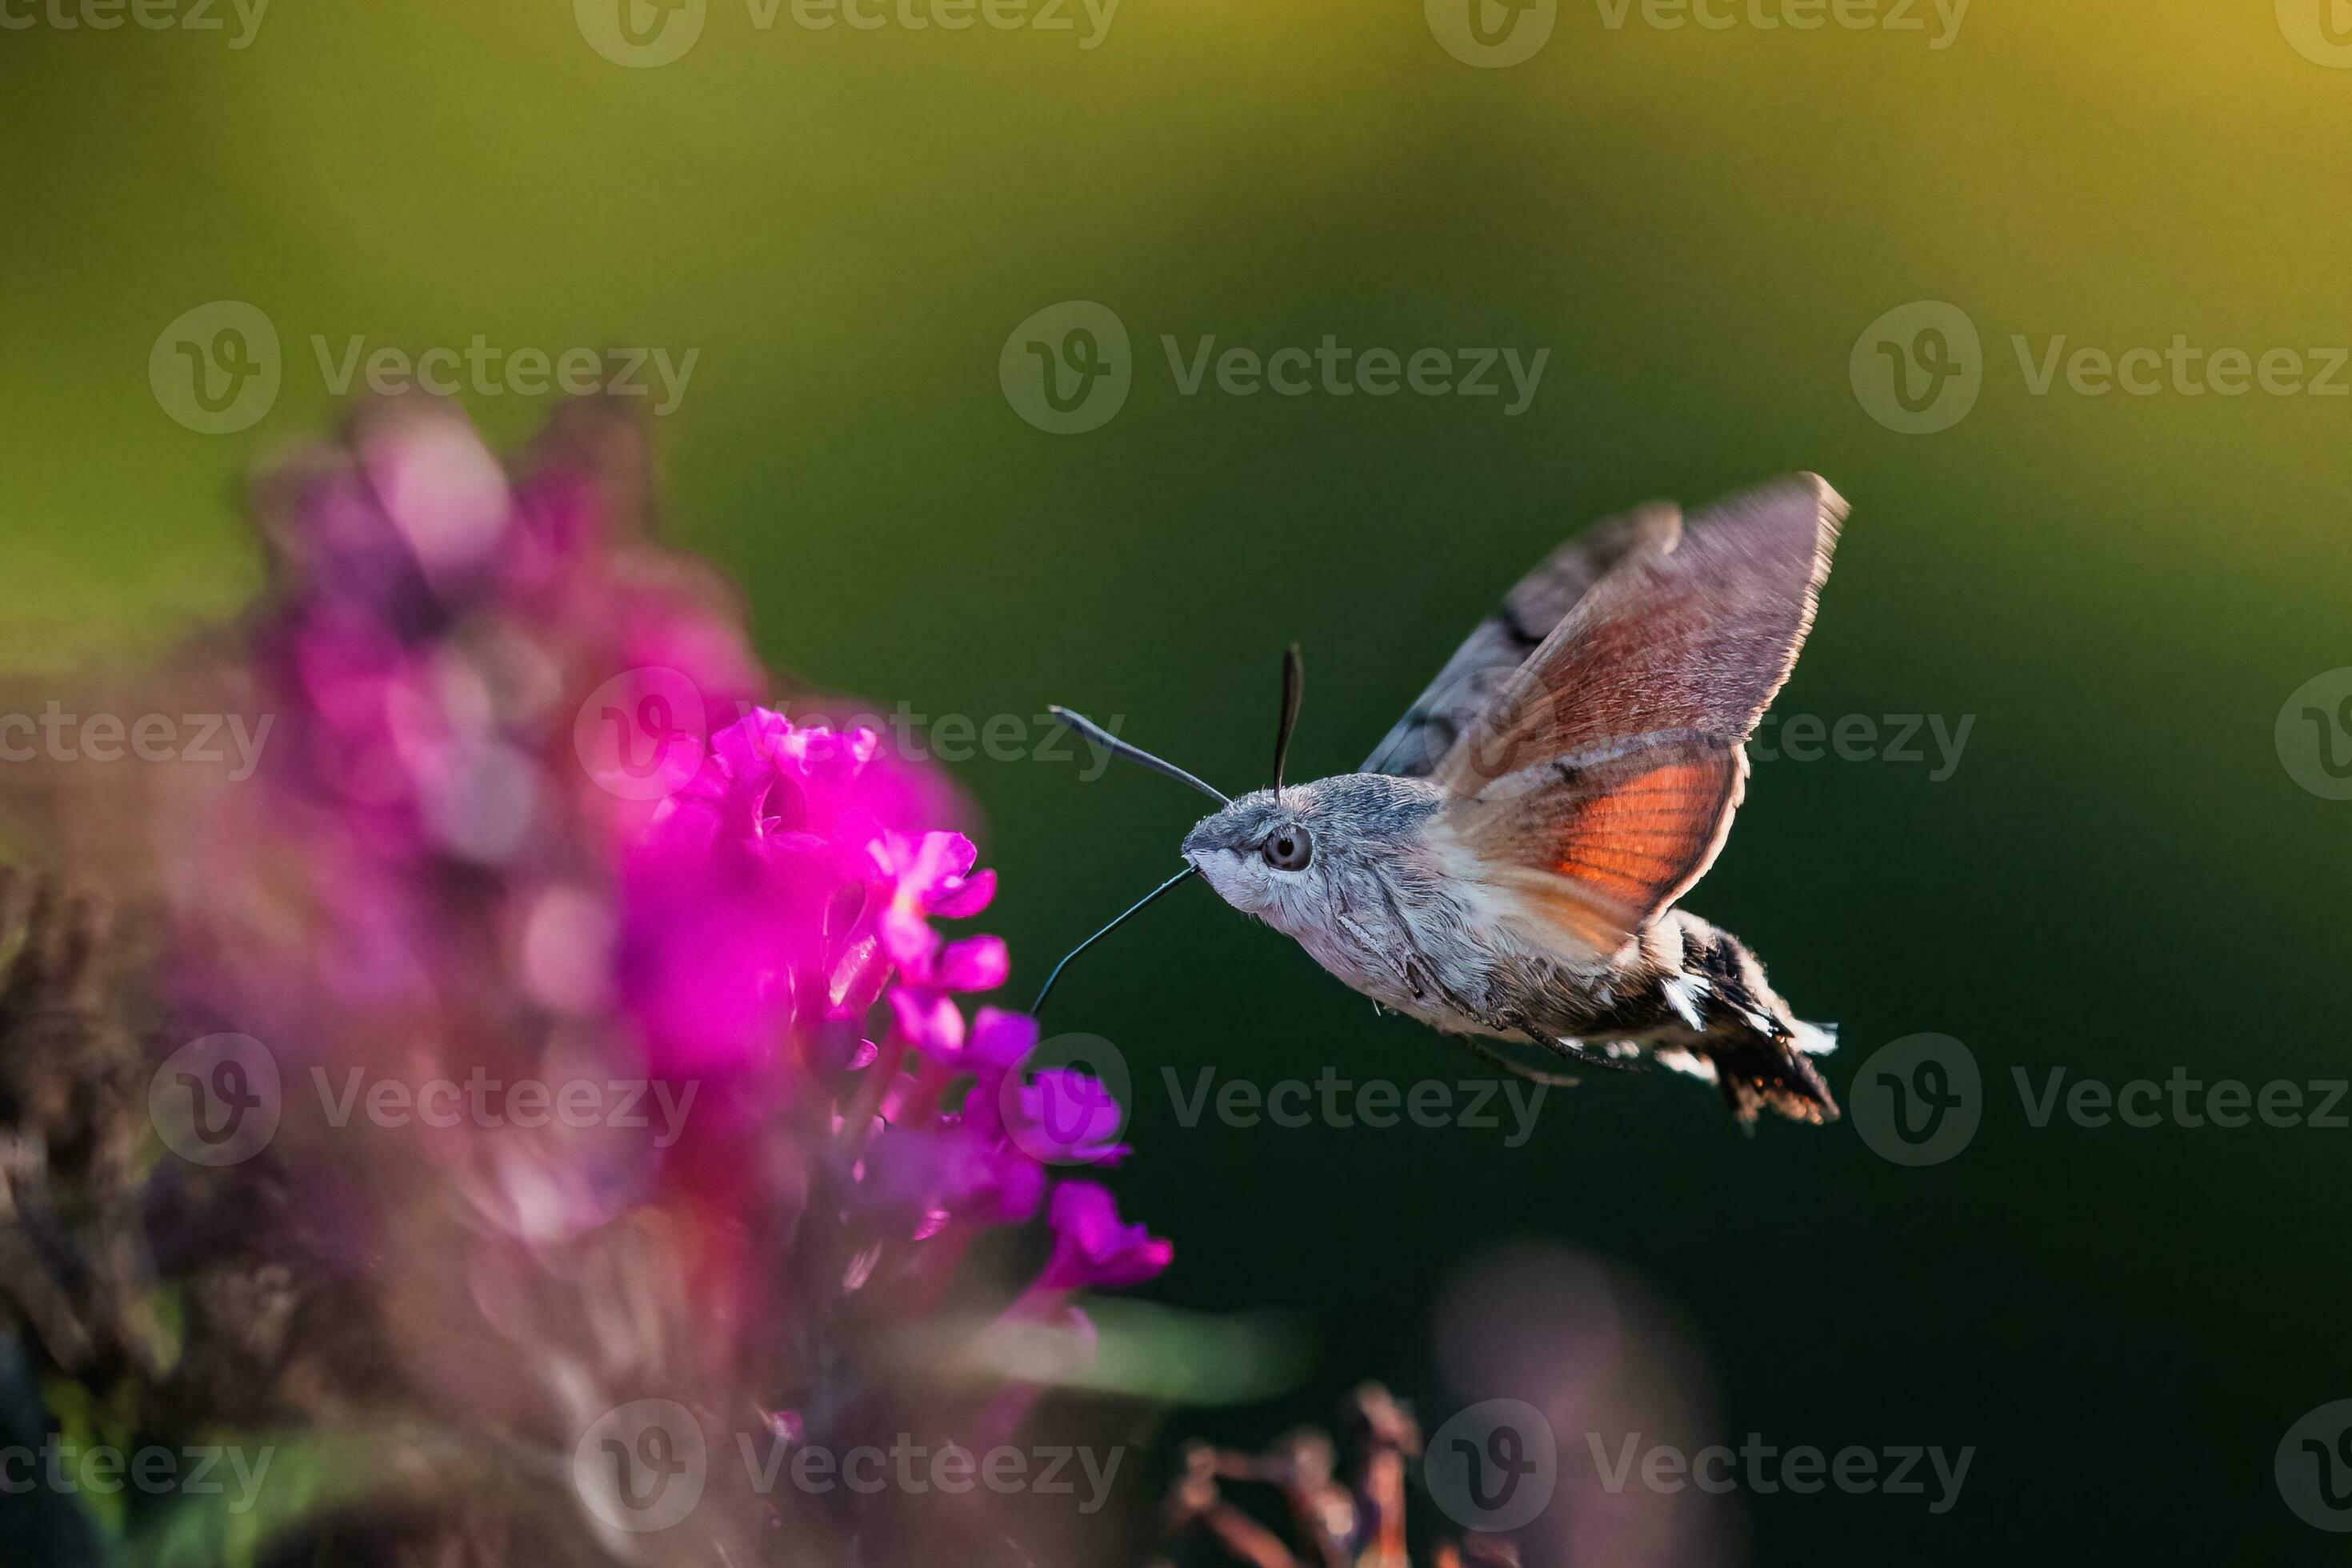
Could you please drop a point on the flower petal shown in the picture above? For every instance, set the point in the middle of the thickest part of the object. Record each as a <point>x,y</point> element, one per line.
<point>973,963</point>
<point>961,897</point>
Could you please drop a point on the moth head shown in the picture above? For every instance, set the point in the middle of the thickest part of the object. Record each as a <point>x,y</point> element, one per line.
<point>1258,852</point>
<point>1261,850</point>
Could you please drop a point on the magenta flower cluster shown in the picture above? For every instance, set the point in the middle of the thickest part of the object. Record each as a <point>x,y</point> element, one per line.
<point>435,874</point>
<point>772,901</point>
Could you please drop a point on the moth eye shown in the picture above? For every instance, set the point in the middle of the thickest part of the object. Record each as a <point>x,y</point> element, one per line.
<point>1290,850</point>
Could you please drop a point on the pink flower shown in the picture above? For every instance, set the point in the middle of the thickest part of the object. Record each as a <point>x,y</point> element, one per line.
<point>775,891</point>
<point>1092,1250</point>
<point>1069,1117</point>
<point>931,875</point>
<point>430,877</point>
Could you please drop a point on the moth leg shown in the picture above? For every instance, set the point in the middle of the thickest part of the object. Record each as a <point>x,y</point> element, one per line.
<point>1422,983</point>
<point>1533,1075</point>
<point>1401,961</point>
<point>1577,1050</point>
<point>1507,1022</point>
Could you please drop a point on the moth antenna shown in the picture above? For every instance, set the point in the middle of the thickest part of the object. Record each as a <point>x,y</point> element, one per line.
<point>1046,990</point>
<point>1117,747</point>
<point>1294,689</point>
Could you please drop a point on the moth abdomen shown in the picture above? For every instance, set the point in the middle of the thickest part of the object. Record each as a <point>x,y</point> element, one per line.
<point>1699,1002</point>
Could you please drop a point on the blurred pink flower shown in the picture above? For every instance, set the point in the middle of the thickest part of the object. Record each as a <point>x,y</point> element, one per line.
<point>437,873</point>
<point>1092,1248</point>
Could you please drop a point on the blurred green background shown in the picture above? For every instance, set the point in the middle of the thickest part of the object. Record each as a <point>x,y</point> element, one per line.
<point>2120,877</point>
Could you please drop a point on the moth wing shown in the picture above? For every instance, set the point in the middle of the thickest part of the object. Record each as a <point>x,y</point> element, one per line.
<point>1486,660</point>
<point>1597,847</point>
<point>1600,781</point>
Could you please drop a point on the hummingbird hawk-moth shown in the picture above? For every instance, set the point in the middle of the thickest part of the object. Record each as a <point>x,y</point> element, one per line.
<point>1507,863</point>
